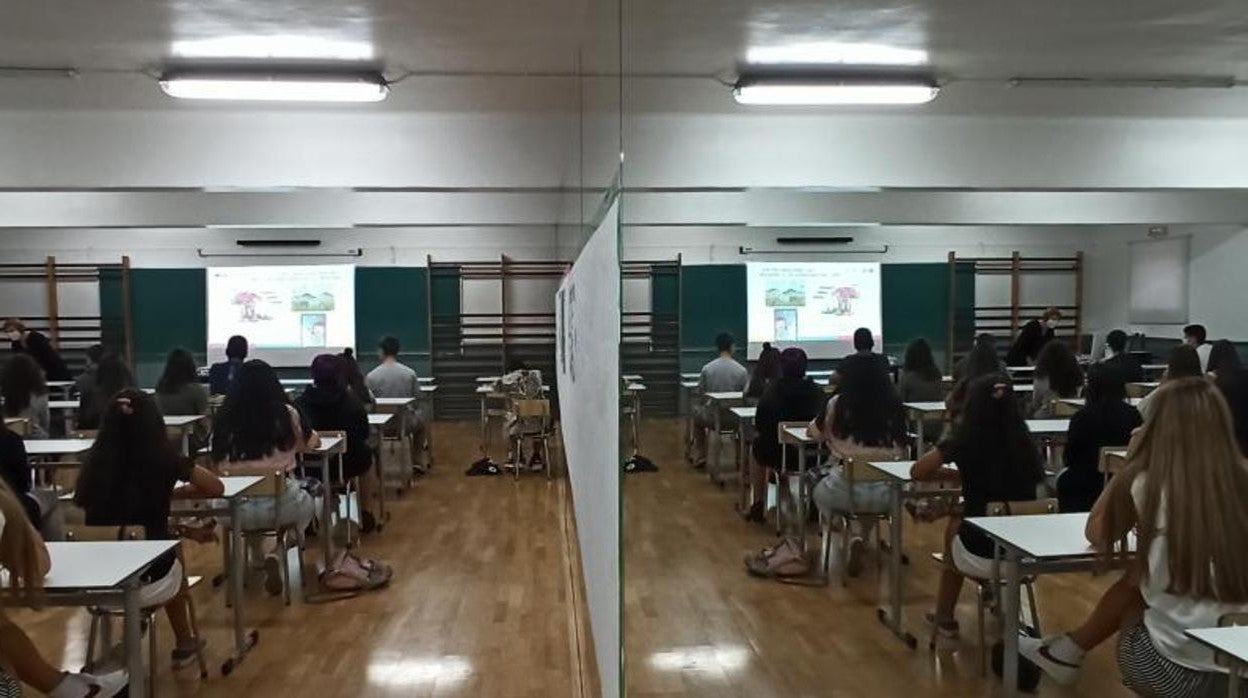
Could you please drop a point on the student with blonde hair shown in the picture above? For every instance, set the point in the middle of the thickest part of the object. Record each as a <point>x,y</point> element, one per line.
<point>1182,492</point>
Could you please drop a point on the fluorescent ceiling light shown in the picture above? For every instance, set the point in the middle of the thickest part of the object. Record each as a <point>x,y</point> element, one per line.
<point>834,53</point>
<point>276,87</point>
<point>279,47</point>
<point>809,92</point>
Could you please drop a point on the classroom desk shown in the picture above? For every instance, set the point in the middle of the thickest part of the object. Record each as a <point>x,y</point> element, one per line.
<point>105,574</point>
<point>1145,387</point>
<point>800,437</point>
<point>57,447</point>
<point>1080,402</point>
<point>331,448</point>
<point>745,420</point>
<point>378,423</point>
<point>1049,432</point>
<point>295,382</point>
<point>63,387</point>
<point>65,405</point>
<point>1232,642</point>
<point>1020,369</point>
<point>237,489</point>
<point>1155,369</point>
<point>486,393</point>
<point>690,377</point>
<point>184,425</point>
<point>634,390</point>
<point>632,378</point>
<point>899,480</point>
<point>688,389</point>
<point>405,407</point>
<point>17,425</point>
<point>919,412</point>
<point>1030,546</point>
<point>717,403</point>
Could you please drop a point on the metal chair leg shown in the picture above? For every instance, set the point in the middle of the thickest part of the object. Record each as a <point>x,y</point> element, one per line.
<point>983,639</point>
<point>283,560</point>
<point>199,649</point>
<point>1031,602</point>
<point>151,652</point>
<point>89,664</point>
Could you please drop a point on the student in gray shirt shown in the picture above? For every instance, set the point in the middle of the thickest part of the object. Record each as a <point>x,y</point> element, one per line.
<point>393,379</point>
<point>721,375</point>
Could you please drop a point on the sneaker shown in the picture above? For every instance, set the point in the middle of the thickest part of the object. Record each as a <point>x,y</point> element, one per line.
<point>273,575</point>
<point>853,561</point>
<point>91,685</point>
<point>944,629</point>
<point>184,656</point>
<point>1041,653</point>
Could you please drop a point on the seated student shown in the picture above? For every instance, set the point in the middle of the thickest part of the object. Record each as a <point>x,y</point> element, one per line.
<point>1057,376</point>
<point>766,372</point>
<point>330,406</point>
<point>997,461</point>
<point>922,381</point>
<point>392,379</point>
<point>1228,373</point>
<point>38,347</point>
<point>981,361</point>
<point>1184,363</point>
<point>864,421</point>
<point>521,383</point>
<point>221,375</point>
<point>863,357</point>
<point>24,556</point>
<point>1182,492</point>
<point>792,398</point>
<point>15,471</point>
<point>25,394</point>
<point>258,432</point>
<point>353,378</point>
<point>128,479</point>
<point>86,379</point>
<point>179,392</point>
<point>1117,358</point>
<point>111,377</point>
<point>1032,337</point>
<point>1105,420</point>
<point>1194,336</point>
<point>987,340</point>
<point>721,375</point>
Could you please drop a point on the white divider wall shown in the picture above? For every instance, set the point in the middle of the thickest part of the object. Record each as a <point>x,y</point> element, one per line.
<point>587,309</point>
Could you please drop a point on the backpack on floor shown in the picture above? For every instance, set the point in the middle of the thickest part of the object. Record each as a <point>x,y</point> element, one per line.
<point>640,464</point>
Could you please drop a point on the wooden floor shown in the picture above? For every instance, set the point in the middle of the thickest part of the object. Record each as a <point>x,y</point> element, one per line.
<point>696,625</point>
<point>480,604</point>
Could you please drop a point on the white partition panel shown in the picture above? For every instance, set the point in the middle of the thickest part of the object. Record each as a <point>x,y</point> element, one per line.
<point>587,308</point>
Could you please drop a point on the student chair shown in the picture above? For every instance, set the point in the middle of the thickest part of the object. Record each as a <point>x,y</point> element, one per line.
<point>101,616</point>
<point>783,480</point>
<point>283,535</point>
<point>1110,465</point>
<point>855,472</point>
<point>1063,410</point>
<point>727,430</point>
<point>987,593</point>
<point>1233,668</point>
<point>533,421</point>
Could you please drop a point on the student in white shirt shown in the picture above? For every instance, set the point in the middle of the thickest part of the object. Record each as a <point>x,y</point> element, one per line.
<point>1182,492</point>
<point>1195,336</point>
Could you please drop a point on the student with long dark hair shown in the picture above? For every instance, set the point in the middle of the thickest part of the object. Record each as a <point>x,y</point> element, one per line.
<point>1184,363</point>
<point>997,461</point>
<point>766,372</point>
<point>1105,420</point>
<point>353,378</point>
<point>865,420</point>
<point>981,361</point>
<point>25,393</point>
<point>111,377</point>
<point>179,392</point>
<point>1229,375</point>
<point>1057,376</point>
<point>258,432</point>
<point>128,479</point>
<point>221,375</point>
<point>921,380</point>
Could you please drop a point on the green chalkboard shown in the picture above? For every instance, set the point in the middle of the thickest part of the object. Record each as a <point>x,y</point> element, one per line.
<point>169,309</point>
<point>392,301</point>
<point>712,301</point>
<point>915,300</point>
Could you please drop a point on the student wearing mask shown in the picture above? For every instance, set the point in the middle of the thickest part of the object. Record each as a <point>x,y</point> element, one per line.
<point>1105,420</point>
<point>1182,492</point>
<point>111,376</point>
<point>330,406</point>
<point>393,379</point>
<point>39,347</point>
<point>766,372</point>
<point>1057,376</point>
<point>258,432</point>
<point>221,375</point>
<point>1117,358</point>
<point>83,382</point>
<point>792,398</point>
<point>1194,336</point>
<point>128,479</point>
<point>1032,337</point>
<point>1184,363</point>
<point>723,374</point>
<point>25,393</point>
<point>997,461</point>
<point>864,421</point>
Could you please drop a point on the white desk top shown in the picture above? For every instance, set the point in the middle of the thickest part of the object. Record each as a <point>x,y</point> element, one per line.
<point>1231,640</point>
<point>1024,387</point>
<point>62,404</point>
<point>380,420</point>
<point>14,421</point>
<point>690,376</point>
<point>488,379</point>
<point>726,396</point>
<point>925,406</point>
<point>689,385</point>
<point>898,470</point>
<point>819,374</point>
<point>295,381</point>
<point>491,390</point>
<point>1147,385</point>
<point>1080,402</point>
<point>1020,369</point>
<point>1041,536</point>
<point>183,420</point>
<point>428,388</point>
<point>632,377</point>
<point>799,435</point>
<point>635,388</point>
<point>329,444</point>
<point>1154,367</point>
<point>56,447</point>
<point>1048,426</point>
<point>238,484</point>
<point>395,401</point>
<point>60,384</point>
<point>746,413</point>
<point>100,565</point>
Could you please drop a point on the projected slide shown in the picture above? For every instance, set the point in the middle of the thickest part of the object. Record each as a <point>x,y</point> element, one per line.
<point>814,305</point>
<point>288,314</point>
